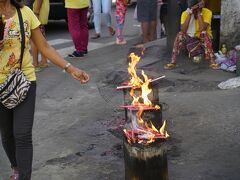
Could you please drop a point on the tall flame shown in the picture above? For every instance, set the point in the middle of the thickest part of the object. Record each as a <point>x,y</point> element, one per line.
<point>145,90</point>
<point>139,115</point>
<point>144,132</point>
<point>135,80</point>
<point>135,98</point>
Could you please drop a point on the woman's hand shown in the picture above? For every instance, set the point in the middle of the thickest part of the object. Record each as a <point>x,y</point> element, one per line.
<point>195,7</point>
<point>78,74</point>
<point>1,44</point>
<point>55,57</point>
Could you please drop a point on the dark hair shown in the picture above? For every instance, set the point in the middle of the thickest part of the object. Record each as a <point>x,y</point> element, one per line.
<point>191,3</point>
<point>17,3</point>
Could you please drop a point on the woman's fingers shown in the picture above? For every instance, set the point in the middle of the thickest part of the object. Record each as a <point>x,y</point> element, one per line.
<point>80,75</point>
<point>85,77</point>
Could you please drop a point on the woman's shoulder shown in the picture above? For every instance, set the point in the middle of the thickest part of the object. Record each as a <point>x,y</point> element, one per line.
<point>27,12</point>
<point>26,9</point>
<point>28,15</point>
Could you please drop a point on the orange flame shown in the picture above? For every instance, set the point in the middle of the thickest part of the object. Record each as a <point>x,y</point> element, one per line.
<point>146,133</point>
<point>135,98</point>
<point>135,80</point>
<point>139,115</point>
<point>162,129</point>
<point>145,90</point>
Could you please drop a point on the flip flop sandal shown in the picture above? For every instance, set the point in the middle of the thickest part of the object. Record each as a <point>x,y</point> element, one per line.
<point>43,65</point>
<point>170,66</point>
<point>96,36</point>
<point>15,176</point>
<point>214,66</point>
<point>38,69</point>
<point>120,42</point>
<point>112,31</point>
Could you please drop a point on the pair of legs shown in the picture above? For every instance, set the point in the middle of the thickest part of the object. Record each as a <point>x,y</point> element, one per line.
<point>149,31</point>
<point>121,10</point>
<point>78,28</point>
<point>180,43</point>
<point>147,15</point>
<point>99,7</point>
<point>35,52</point>
<point>16,133</point>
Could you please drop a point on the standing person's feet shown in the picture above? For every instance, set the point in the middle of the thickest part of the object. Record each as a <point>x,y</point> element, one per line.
<point>15,175</point>
<point>170,66</point>
<point>43,65</point>
<point>111,31</point>
<point>120,41</point>
<point>76,54</point>
<point>96,36</point>
<point>37,69</point>
<point>85,52</point>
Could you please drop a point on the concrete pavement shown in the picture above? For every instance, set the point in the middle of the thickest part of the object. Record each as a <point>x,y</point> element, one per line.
<point>76,135</point>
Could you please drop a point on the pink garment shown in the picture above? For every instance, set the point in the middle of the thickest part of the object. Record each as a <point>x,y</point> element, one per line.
<point>181,40</point>
<point>78,28</point>
<point>121,9</point>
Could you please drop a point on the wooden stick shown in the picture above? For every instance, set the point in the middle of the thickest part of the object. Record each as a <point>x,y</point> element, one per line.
<point>132,107</point>
<point>129,86</point>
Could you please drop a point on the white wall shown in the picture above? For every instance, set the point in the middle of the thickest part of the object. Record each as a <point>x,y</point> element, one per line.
<point>230,22</point>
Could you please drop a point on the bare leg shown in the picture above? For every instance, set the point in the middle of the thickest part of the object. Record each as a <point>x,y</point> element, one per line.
<point>145,30</point>
<point>152,30</point>
<point>43,61</point>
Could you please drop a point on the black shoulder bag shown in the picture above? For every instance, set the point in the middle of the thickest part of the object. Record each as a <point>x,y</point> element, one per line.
<point>14,90</point>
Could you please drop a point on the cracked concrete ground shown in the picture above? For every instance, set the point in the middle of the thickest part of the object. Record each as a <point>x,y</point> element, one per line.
<point>76,131</point>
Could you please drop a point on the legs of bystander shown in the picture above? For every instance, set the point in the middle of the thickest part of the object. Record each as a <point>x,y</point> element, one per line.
<point>78,28</point>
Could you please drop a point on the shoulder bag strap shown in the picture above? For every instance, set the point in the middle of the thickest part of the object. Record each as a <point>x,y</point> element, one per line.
<point>22,35</point>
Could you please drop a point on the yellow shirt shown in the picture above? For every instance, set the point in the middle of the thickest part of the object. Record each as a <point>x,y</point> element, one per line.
<point>207,18</point>
<point>10,53</point>
<point>76,4</point>
<point>44,11</point>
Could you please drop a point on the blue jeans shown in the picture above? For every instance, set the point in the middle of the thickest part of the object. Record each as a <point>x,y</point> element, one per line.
<point>105,6</point>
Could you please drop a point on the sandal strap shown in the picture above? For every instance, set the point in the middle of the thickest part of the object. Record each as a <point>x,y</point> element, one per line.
<point>170,66</point>
<point>214,65</point>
